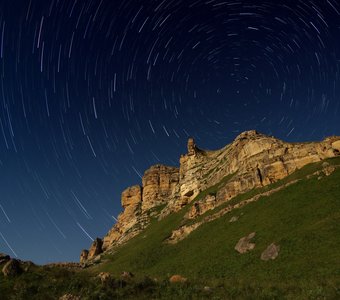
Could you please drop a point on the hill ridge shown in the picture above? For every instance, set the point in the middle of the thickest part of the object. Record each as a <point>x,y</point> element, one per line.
<point>252,160</point>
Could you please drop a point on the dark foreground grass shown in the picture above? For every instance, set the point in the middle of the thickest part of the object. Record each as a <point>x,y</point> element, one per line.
<point>303,219</point>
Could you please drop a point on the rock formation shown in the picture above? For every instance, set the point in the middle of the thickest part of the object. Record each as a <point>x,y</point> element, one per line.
<point>160,184</point>
<point>252,160</point>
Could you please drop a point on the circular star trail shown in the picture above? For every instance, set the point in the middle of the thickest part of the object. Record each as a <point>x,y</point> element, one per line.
<point>93,92</point>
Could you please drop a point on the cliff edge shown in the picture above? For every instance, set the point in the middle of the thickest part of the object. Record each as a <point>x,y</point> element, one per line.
<point>252,160</point>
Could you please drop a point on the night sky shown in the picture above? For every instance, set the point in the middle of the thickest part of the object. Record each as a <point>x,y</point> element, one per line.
<point>93,92</point>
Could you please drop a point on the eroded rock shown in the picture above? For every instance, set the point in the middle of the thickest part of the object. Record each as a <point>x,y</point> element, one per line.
<point>84,255</point>
<point>160,184</point>
<point>96,249</point>
<point>201,207</point>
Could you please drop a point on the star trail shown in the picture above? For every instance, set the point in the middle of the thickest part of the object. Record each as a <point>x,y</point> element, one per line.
<point>93,92</point>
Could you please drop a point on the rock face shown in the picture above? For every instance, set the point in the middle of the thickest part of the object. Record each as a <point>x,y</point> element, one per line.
<point>96,248</point>
<point>160,184</point>
<point>202,206</point>
<point>252,160</point>
<point>84,255</point>
<point>244,244</point>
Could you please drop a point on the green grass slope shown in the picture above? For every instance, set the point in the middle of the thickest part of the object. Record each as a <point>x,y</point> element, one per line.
<point>303,218</point>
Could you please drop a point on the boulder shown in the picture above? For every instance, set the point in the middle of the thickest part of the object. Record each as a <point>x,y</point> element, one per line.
<point>271,252</point>
<point>105,278</point>
<point>4,258</point>
<point>177,279</point>
<point>328,169</point>
<point>126,276</point>
<point>244,244</point>
<point>234,219</point>
<point>12,268</point>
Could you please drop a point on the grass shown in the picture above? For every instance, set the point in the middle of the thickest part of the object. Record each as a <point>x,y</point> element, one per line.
<point>302,218</point>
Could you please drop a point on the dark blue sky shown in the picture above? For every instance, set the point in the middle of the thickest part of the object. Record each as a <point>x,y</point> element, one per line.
<point>93,92</point>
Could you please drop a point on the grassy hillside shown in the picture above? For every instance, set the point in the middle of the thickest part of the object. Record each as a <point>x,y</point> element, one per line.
<point>302,218</point>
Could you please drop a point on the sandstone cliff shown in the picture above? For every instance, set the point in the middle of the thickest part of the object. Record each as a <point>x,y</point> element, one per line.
<point>251,160</point>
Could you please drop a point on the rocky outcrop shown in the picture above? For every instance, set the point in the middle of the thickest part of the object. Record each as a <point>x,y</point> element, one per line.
<point>201,207</point>
<point>252,160</point>
<point>96,249</point>
<point>12,268</point>
<point>84,255</point>
<point>4,258</point>
<point>160,184</point>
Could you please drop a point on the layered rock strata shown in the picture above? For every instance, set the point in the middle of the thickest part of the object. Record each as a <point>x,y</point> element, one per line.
<point>159,184</point>
<point>252,160</point>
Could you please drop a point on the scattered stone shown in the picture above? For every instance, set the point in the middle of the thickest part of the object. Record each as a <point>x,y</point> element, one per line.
<point>177,279</point>
<point>69,297</point>
<point>328,170</point>
<point>271,252</point>
<point>207,289</point>
<point>12,268</point>
<point>105,278</point>
<point>27,265</point>
<point>233,219</point>
<point>4,258</point>
<point>244,244</point>
<point>127,275</point>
